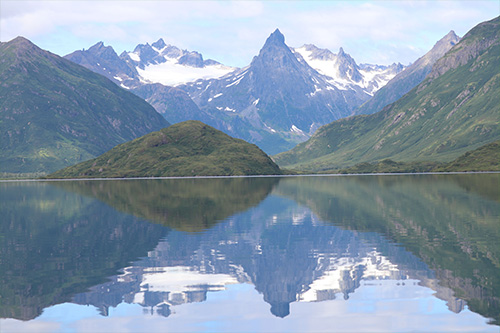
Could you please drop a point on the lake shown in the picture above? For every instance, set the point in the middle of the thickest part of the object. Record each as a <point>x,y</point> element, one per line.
<point>321,253</point>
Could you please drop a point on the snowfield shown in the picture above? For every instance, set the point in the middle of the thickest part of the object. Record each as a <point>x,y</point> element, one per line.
<point>171,73</point>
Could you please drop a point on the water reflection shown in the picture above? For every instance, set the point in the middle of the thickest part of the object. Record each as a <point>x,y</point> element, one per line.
<point>191,205</point>
<point>54,244</point>
<point>296,240</point>
<point>449,221</point>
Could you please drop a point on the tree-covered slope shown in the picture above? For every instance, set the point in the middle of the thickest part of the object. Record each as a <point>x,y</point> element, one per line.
<point>54,113</point>
<point>190,148</point>
<point>454,110</point>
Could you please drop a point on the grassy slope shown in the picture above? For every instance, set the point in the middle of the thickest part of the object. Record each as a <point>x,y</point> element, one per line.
<point>189,148</point>
<point>484,158</point>
<point>438,120</point>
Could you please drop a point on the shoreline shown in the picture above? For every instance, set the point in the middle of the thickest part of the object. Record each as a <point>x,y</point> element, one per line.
<point>254,176</point>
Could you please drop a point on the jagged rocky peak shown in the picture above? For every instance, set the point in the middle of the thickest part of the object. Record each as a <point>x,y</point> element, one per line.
<point>275,55</point>
<point>159,44</point>
<point>475,42</point>
<point>276,38</point>
<point>145,50</point>
<point>347,67</point>
<point>193,59</point>
<point>444,44</point>
<point>107,52</point>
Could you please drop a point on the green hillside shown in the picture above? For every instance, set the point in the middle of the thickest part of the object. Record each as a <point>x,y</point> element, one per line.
<point>454,110</point>
<point>485,158</point>
<point>189,148</point>
<point>54,113</point>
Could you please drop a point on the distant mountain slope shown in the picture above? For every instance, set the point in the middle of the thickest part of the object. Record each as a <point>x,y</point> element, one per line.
<point>54,113</point>
<point>104,60</point>
<point>189,148</point>
<point>455,110</point>
<point>409,78</point>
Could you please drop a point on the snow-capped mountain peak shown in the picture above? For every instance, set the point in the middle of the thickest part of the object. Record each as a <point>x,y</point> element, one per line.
<point>167,64</point>
<point>342,70</point>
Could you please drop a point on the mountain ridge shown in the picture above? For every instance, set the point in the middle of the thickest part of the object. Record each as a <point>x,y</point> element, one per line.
<point>410,77</point>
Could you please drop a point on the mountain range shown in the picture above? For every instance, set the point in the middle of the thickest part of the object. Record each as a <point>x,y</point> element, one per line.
<point>264,103</point>
<point>454,110</point>
<point>54,113</point>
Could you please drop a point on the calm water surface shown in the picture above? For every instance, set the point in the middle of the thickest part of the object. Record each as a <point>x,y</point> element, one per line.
<point>356,253</point>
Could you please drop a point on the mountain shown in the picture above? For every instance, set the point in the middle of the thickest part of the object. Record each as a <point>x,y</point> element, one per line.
<point>484,158</point>
<point>55,113</point>
<point>276,101</point>
<point>410,77</point>
<point>189,148</point>
<point>172,103</point>
<point>454,110</point>
<point>148,64</point>
<point>280,99</point>
<point>151,72</point>
<point>343,71</point>
<point>169,65</point>
<point>104,60</point>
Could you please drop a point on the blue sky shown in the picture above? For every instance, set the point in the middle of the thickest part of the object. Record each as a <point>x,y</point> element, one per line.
<point>232,32</point>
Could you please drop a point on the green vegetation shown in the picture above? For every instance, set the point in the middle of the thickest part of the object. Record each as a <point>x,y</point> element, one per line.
<point>54,113</point>
<point>455,110</point>
<point>189,148</point>
<point>485,158</point>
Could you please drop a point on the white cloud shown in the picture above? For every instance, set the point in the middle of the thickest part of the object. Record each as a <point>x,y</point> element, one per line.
<point>234,31</point>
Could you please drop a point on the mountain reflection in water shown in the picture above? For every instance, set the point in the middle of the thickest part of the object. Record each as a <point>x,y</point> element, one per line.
<point>300,239</point>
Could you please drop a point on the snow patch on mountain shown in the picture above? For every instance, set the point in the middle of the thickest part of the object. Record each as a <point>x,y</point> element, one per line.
<point>343,72</point>
<point>171,73</point>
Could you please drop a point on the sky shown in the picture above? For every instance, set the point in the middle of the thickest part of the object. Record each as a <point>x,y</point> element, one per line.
<point>232,32</point>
